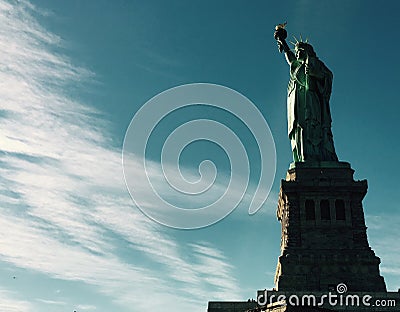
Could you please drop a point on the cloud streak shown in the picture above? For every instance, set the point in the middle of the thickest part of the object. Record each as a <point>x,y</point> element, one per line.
<point>64,203</point>
<point>9,303</point>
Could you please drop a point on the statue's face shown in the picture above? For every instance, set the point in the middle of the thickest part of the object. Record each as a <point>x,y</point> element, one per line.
<point>301,55</point>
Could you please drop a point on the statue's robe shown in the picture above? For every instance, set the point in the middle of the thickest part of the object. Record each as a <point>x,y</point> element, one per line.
<point>309,118</point>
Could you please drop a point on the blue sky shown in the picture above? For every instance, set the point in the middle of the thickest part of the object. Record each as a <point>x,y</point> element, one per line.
<point>74,73</point>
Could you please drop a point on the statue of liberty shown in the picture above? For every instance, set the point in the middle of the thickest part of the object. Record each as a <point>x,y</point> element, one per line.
<point>309,91</point>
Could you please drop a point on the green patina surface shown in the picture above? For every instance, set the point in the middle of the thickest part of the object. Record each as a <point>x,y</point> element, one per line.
<point>308,110</point>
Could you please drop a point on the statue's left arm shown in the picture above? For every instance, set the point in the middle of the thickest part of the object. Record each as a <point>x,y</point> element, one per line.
<point>314,68</point>
<point>323,77</point>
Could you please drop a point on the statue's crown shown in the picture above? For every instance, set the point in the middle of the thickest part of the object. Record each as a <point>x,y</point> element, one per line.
<point>303,45</point>
<point>299,43</point>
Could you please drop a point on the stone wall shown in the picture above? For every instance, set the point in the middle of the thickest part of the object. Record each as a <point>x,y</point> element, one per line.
<point>324,240</point>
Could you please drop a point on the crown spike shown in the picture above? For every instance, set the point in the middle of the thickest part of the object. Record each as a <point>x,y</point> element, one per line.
<point>301,38</point>
<point>297,41</point>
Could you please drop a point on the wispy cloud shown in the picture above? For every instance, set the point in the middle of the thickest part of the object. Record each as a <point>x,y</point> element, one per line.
<point>10,303</point>
<point>86,307</point>
<point>51,302</point>
<point>64,203</point>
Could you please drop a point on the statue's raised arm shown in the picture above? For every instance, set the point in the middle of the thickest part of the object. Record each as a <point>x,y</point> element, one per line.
<point>309,91</point>
<point>280,36</point>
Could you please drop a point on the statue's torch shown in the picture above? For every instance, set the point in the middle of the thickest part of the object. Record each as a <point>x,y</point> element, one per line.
<point>280,34</point>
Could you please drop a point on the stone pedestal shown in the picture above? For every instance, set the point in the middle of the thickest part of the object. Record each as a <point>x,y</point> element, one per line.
<point>324,240</point>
